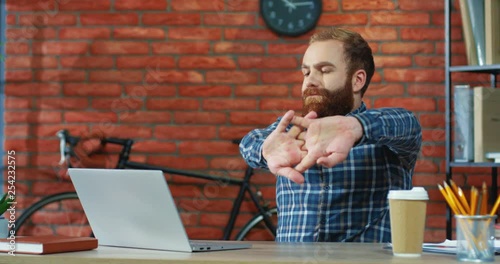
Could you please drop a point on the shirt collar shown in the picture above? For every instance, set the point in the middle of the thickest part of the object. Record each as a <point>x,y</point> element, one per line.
<point>360,109</point>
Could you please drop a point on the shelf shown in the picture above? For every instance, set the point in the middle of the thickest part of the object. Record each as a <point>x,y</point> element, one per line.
<point>474,164</point>
<point>492,69</point>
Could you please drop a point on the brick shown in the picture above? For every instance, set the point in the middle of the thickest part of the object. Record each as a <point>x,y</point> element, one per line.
<point>139,33</point>
<point>414,75</point>
<point>231,77</point>
<point>119,47</point>
<point>117,105</point>
<point>200,147</point>
<point>203,232</point>
<point>194,33</point>
<point>92,89</point>
<point>85,5</point>
<point>291,48</point>
<point>200,118</point>
<point>421,5</point>
<point>84,33</point>
<point>254,62</point>
<point>29,5</point>
<point>175,162</point>
<point>17,131</point>
<point>28,33</point>
<point>33,117</point>
<point>60,75</point>
<point>11,20</point>
<point>233,132</point>
<point>261,90</point>
<point>428,179</point>
<point>438,19</point>
<point>435,151</point>
<point>109,19</point>
<point>385,89</point>
<point>197,5</point>
<point>181,48</point>
<point>18,76</point>
<point>456,48</point>
<point>144,117</point>
<point>135,5</point>
<point>377,33</point>
<point>66,104</point>
<point>432,120</point>
<point>392,61</point>
<point>206,62</point>
<point>411,104</point>
<point>172,104</point>
<point>87,62</point>
<point>32,89</point>
<point>281,77</point>
<point>45,188</point>
<point>17,103</point>
<point>173,76</point>
<point>44,19</point>
<point>421,34</point>
<point>89,117</point>
<point>154,146</point>
<point>171,19</point>
<point>229,19</point>
<point>238,48</point>
<point>51,130</point>
<point>368,5</point>
<point>150,90</point>
<point>280,104</point>
<point>30,62</point>
<point>248,34</point>
<point>426,89</point>
<point>116,76</point>
<point>12,48</point>
<point>142,62</point>
<point>253,118</point>
<point>229,104</point>
<point>242,5</point>
<point>394,19</point>
<point>60,48</point>
<point>343,19</point>
<point>425,165</point>
<point>180,132</point>
<point>434,135</point>
<point>429,61</point>
<point>204,90</point>
<point>407,48</point>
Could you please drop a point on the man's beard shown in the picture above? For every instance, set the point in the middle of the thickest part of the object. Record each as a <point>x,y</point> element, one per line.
<point>339,102</point>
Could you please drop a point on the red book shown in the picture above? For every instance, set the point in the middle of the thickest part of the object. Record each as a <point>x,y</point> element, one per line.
<point>46,244</point>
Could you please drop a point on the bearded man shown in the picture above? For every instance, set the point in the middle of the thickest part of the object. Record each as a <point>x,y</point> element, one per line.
<point>336,164</point>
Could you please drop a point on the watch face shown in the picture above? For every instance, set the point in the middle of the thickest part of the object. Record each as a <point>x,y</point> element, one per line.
<point>290,17</point>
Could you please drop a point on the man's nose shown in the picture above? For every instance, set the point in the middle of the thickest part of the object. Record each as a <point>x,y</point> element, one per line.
<point>312,80</point>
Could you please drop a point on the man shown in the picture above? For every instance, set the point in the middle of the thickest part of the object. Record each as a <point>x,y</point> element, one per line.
<point>336,164</point>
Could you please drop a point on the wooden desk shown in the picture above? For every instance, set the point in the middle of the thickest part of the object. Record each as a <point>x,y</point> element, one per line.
<point>261,252</point>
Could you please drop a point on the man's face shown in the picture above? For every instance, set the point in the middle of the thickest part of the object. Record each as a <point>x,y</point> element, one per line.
<point>326,89</point>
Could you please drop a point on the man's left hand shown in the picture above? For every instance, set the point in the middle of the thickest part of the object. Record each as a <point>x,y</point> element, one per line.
<point>328,140</point>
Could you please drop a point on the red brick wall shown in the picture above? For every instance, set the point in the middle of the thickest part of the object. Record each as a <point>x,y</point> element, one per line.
<point>183,77</point>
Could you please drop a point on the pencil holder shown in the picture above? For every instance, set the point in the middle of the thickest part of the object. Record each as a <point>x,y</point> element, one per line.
<point>475,238</point>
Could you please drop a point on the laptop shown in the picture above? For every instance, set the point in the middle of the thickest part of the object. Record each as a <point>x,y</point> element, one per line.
<point>135,209</point>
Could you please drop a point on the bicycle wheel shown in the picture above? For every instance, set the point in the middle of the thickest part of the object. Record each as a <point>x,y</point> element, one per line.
<point>257,230</point>
<point>57,214</point>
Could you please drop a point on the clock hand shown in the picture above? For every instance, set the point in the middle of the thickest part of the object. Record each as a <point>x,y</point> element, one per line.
<point>289,4</point>
<point>303,3</point>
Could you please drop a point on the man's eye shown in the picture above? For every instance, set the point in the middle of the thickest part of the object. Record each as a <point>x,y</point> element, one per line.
<point>326,70</point>
<point>306,73</point>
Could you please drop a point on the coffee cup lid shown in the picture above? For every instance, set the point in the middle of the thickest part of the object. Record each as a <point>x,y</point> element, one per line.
<point>417,193</point>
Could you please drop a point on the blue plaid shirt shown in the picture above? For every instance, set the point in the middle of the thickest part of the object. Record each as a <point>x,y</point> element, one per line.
<point>346,203</point>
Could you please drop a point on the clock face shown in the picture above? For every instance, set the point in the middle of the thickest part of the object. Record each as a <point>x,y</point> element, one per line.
<point>290,17</point>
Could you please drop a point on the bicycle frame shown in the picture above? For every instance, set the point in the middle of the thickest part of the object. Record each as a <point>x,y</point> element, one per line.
<point>124,163</point>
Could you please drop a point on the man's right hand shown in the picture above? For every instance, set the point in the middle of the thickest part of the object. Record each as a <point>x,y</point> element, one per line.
<point>283,150</point>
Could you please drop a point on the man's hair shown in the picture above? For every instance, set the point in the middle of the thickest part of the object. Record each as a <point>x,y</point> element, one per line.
<point>357,52</point>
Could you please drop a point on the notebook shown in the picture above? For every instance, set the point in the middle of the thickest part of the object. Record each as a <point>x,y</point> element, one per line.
<point>135,209</point>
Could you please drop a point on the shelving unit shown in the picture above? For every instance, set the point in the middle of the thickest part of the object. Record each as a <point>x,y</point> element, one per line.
<point>493,71</point>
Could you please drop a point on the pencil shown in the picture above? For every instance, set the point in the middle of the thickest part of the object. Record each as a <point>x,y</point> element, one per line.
<point>448,200</point>
<point>484,202</point>
<point>462,198</point>
<point>452,196</point>
<point>495,207</point>
<point>473,200</point>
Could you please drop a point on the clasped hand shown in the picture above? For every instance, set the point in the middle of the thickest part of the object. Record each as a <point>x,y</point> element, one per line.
<point>324,141</point>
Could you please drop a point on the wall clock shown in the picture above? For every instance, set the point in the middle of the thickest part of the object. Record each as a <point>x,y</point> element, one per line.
<point>290,17</point>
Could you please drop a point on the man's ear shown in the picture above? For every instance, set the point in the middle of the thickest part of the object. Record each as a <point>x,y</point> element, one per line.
<point>358,80</point>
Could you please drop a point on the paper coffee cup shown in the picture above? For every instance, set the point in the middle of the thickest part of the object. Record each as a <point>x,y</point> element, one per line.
<point>408,213</point>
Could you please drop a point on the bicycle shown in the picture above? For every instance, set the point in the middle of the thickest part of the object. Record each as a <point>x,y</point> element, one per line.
<point>265,218</point>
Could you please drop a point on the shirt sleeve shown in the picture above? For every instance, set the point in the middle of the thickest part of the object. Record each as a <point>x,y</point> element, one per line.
<point>251,146</point>
<point>396,128</point>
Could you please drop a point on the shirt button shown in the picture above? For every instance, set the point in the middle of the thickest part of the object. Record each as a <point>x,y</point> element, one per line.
<point>326,188</point>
